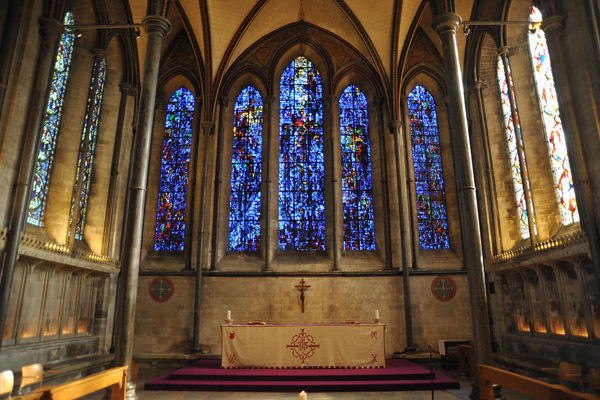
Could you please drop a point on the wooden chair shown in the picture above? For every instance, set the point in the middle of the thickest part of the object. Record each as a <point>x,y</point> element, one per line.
<point>31,375</point>
<point>7,380</point>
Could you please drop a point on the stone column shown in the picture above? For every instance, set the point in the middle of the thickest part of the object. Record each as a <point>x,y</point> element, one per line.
<point>330,116</point>
<point>379,106</point>
<point>156,28</point>
<point>553,28</point>
<point>503,52</point>
<point>489,168</point>
<point>270,103</point>
<point>410,180</point>
<point>192,179</point>
<point>51,31</point>
<point>396,131</point>
<point>223,103</point>
<point>446,25</point>
<point>98,57</point>
<point>10,19</point>
<point>207,130</point>
<point>112,208</point>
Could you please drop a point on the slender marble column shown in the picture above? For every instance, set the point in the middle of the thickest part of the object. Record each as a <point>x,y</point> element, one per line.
<point>269,102</point>
<point>553,28</point>
<point>207,129</point>
<point>380,104</point>
<point>503,52</point>
<point>396,131</point>
<point>156,28</point>
<point>331,115</point>
<point>51,31</point>
<point>10,19</point>
<point>446,25</point>
<point>223,103</point>
<point>192,179</point>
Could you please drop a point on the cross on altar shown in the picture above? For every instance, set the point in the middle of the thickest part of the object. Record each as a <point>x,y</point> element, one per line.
<point>302,288</point>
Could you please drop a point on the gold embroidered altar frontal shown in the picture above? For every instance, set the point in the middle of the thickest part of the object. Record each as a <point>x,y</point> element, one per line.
<point>303,346</point>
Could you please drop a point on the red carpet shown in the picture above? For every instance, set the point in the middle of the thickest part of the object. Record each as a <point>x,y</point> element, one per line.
<point>206,375</point>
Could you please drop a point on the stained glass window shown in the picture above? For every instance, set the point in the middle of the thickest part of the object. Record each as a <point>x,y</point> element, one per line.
<point>246,167</point>
<point>87,148</point>
<point>51,122</point>
<point>429,179</point>
<point>559,159</point>
<point>511,137</point>
<point>357,194</point>
<point>301,166</point>
<point>170,216</point>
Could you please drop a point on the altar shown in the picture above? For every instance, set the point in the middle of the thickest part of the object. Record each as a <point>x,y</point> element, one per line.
<point>303,346</point>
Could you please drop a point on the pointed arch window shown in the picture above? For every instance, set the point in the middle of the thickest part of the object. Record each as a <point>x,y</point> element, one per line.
<point>169,234</point>
<point>513,128</point>
<point>429,178</point>
<point>544,82</point>
<point>357,186</point>
<point>301,160</point>
<point>87,150</point>
<point>50,125</point>
<point>246,169</point>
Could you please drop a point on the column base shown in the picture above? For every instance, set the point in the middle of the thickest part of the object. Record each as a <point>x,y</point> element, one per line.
<point>130,393</point>
<point>409,350</point>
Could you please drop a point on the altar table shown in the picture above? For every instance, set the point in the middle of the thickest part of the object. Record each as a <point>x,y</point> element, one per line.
<point>303,346</point>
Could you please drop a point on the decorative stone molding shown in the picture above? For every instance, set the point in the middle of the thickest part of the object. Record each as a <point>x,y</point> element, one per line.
<point>543,252</point>
<point>35,247</point>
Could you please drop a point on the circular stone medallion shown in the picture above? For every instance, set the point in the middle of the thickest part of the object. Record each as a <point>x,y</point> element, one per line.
<point>161,289</point>
<point>443,288</point>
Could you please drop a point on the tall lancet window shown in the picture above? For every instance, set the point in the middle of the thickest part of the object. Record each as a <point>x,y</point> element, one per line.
<point>50,125</point>
<point>246,168</point>
<point>559,159</point>
<point>429,178</point>
<point>357,192</point>
<point>87,149</point>
<point>169,234</point>
<point>511,136</point>
<point>301,161</point>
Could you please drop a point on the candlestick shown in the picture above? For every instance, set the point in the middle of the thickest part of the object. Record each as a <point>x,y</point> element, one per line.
<point>376,314</point>
<point>302,395</point>
<point>228,314</point>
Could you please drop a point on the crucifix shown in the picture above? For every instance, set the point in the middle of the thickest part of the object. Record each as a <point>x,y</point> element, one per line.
<point>302,288</point>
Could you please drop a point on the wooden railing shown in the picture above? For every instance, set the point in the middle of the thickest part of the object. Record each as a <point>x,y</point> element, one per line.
<point>114,377</point>
<point>533,388</point>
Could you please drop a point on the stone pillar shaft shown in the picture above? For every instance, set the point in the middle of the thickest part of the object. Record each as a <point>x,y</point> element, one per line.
<point>270,113</point>
<point>331,114</point>
<point>503,52</point>
<point>207,130</point>
<point>218,182</point>
<point>446,25</point>
<point>380,104</point>
<point>192,181</point>
<point>51,31</point>
<point>156,27</point>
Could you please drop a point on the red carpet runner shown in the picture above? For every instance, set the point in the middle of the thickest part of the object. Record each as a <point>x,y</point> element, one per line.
<point>206,375</point>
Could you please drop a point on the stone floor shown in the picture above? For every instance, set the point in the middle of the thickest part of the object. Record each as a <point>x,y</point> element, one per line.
<point>148,373</point>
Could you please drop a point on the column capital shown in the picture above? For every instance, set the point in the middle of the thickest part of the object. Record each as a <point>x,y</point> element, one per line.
<point>395,126</point>
<point>224,101</point>
<point>270,99</point>
<point>98,53</point>
<point>478,85</point>
<point>555,23</point>
<point>51,27</point>
<point>446,22</point>
<point>154,24</point>
<point>331,99</point>
<point>127,88</point>
<point>207,127</point>
<point>503,51</point>
<point>198,101</point>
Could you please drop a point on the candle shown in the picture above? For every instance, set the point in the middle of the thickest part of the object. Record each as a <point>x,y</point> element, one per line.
<point>376,314</point>
<point>302,395</point>
<point>228,314</point>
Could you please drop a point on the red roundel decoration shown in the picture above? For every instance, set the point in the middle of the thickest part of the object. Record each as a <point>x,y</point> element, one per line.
<point>161,289</point>
<point>443,288</point>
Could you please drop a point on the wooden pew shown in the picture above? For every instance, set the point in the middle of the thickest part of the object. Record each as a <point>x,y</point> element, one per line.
<point>115,377</point>
<point>533,388</point>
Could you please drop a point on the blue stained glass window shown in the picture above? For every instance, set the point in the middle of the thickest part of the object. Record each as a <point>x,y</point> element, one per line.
<point>246,167</point>
<point>357,195</point>
<point>87,149</point>
<point>429,179</point>
<point>170,216</point>
<point>50,124</point>
<point>557,146</point>
<point>301,163</point>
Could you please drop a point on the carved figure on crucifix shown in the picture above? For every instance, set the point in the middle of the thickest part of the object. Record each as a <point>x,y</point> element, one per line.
<point>302,287</point>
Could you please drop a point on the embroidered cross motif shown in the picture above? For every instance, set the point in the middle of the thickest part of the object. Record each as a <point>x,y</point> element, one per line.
<point>231,335</point>
<point>374,358</point>
<point>232,359</point>
<point>373,334</point>
<point>303,346</point>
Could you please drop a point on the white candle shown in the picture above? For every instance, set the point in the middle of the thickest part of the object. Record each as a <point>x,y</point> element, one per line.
<point>376,314</point>
<point>228,314</point>
<point>302,395</point>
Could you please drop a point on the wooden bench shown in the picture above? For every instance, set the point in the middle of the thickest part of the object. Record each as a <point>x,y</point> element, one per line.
<point>115,377</point>
<point>533,388</point>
